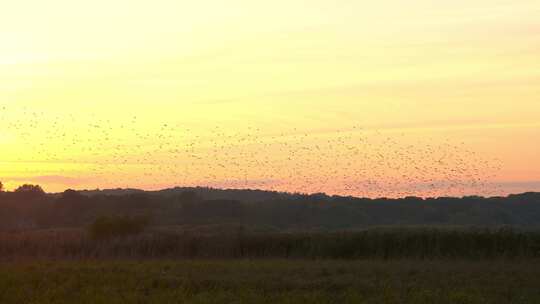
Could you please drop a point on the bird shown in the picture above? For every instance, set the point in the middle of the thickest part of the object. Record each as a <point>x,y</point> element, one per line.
<point>143,152</point>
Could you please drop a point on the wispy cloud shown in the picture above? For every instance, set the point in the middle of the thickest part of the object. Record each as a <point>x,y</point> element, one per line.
<point>50,179</point>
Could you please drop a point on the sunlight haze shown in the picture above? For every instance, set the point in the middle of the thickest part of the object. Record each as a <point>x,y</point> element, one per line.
<point>343,97</point>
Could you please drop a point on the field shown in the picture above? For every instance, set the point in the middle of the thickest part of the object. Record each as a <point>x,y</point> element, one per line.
<point>163,265</point>
<point>271,281</point>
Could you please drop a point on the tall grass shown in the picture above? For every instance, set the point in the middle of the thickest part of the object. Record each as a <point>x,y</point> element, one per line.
<point>380,244</point>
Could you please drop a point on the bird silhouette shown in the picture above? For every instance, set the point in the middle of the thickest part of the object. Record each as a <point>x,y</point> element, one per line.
<point>132,150</point>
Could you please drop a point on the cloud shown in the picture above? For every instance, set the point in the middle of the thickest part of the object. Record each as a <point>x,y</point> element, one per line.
<point>527,185</point>
<point>50,179</point>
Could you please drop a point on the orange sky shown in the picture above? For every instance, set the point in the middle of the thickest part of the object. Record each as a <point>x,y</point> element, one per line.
<point>379,99</point>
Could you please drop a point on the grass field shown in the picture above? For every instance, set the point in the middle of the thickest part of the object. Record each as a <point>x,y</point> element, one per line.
<point>271,281</point>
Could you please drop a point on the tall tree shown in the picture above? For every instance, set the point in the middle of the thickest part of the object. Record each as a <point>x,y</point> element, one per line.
<point>30,190</point>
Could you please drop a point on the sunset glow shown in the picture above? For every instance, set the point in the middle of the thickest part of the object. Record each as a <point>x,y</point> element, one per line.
<point>392,98</point>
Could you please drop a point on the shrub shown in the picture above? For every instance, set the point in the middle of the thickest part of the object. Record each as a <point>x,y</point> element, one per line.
<point>107,227</point>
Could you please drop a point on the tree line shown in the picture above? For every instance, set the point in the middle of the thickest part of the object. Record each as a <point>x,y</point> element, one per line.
<point>29,207</point>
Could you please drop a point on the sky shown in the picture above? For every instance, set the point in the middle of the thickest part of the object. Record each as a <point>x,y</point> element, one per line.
<point>391,98</point>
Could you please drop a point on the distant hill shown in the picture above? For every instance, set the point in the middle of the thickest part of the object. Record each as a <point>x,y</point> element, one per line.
<point>245,195</point>
<point>254,195</point>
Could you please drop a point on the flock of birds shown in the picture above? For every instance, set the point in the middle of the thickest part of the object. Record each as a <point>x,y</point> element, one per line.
<point>134,152</point>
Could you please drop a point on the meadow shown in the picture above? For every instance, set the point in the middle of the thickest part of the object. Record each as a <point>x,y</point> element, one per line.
<point>382,265</point>
<point>184,248</point>
<point>270,281</point>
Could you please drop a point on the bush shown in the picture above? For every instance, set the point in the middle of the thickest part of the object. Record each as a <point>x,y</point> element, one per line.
<point>108,227</point>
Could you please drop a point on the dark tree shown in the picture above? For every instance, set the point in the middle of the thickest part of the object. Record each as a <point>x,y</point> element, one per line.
<point>187,196</point>
<point>71,195</point>
<point>1,187</point>
<point>30,190</point>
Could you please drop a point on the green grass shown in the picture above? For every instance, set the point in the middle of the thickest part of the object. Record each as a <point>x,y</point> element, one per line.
<point>271,281</point>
